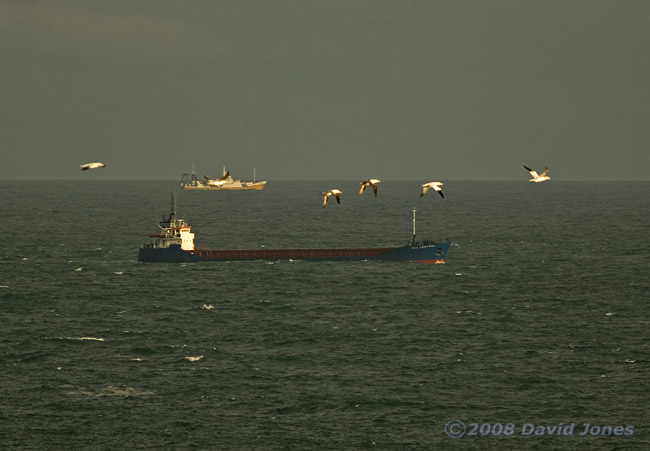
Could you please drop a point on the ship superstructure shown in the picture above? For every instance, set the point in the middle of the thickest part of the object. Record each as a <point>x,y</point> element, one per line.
<point>173,232</point>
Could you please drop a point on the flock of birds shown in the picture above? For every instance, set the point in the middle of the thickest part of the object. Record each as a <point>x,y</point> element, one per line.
<point>373,184</point>
<point>336,193</point>
<point>436,186</point>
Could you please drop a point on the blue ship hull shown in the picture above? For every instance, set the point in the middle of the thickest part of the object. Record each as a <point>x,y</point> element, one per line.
<point>426,252</point>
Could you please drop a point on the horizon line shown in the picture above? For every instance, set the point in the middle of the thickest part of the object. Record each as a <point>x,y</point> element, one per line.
<point>321,180</point>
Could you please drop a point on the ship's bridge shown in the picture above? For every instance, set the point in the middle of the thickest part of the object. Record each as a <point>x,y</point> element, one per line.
<point>187,238</point>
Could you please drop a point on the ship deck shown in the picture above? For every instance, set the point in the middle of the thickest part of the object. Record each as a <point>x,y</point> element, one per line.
<point>264,254</point>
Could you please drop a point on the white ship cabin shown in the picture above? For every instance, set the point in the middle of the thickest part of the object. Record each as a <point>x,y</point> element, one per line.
<point>186,237</point>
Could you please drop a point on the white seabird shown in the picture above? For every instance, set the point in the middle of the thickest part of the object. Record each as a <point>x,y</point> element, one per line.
<point>333,192</point>
<point>435,185</point>
<point>95,165</point>
<point>370,182</point>
<point>214,182</point>
<point>537,178</point>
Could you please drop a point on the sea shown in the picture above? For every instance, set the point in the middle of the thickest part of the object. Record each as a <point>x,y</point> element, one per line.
<point>534,334</point>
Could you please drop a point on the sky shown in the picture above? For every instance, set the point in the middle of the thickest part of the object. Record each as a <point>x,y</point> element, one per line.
<point>325,89</point>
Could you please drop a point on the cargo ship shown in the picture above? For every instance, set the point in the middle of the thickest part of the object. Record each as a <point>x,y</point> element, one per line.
<point>174,243</point>
<point>190,182</point>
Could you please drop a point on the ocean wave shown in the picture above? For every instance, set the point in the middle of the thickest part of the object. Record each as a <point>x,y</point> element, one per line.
<point>78,338</point>
<point>110,390</point>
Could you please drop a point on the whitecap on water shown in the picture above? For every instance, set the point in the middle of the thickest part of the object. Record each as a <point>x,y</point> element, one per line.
<point>119,273</point>
<point>79,268</point>
<point>194,358</point>
<point>80,338</point>
<point>208,306</point>
<point>110,390</point>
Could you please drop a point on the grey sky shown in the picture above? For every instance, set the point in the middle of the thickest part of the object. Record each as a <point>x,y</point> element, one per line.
<point>421,90</point>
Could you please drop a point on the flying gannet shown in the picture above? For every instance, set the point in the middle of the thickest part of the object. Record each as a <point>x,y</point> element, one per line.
<point>333,192</point>
<point>372,183</point>
<point>95,165</point>
<point>435,185</point>
<point>537,178</point>
<point>214,182</point>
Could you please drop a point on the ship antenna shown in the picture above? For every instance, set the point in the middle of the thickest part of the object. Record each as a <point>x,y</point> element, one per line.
<point>172,214</point>
<point>414,225</point>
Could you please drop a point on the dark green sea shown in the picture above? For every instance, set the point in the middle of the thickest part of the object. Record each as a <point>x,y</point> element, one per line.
<point>539,317</point>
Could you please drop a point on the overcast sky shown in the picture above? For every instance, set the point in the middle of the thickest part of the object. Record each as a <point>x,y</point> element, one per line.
<point>328,89</point>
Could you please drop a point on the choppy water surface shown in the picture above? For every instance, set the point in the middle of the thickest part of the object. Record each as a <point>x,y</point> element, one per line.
<point>538,317</point>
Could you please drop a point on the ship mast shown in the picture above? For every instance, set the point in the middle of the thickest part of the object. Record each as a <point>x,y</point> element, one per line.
<point>172,213</point>
<point>414,225</point>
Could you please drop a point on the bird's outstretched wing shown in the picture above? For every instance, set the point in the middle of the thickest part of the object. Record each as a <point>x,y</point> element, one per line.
<point>533,173</point>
